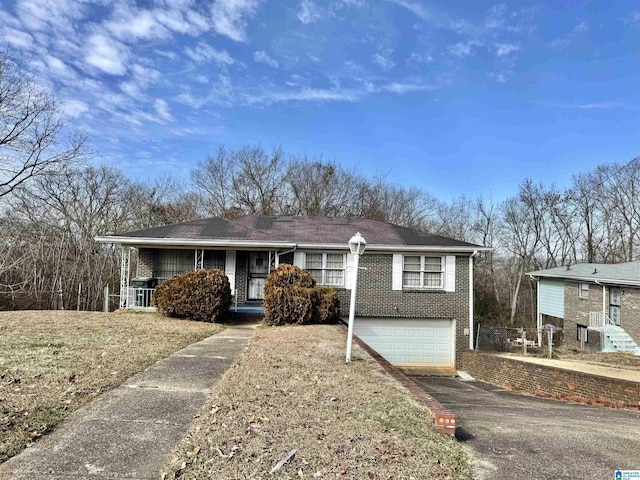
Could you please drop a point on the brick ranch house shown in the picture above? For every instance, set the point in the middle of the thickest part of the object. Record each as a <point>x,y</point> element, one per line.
<point>415,290</point>
<point>597,304</point>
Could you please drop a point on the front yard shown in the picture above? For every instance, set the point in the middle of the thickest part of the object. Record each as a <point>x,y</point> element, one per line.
<point>627,361</point>
<point>52,362</point>
<point>293,391</point>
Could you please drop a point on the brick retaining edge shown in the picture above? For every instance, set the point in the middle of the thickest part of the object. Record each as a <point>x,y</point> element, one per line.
<point>552,382</point>
<point>443,419</point>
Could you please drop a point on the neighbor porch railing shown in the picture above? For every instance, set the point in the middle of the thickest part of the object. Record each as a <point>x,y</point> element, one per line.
<point>598,319</point>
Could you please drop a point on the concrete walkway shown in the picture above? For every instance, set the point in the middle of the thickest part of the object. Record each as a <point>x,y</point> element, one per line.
<point>577,366</point>
<point>130,431</point>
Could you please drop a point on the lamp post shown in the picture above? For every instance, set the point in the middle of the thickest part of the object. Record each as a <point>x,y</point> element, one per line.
<point>357,244</point>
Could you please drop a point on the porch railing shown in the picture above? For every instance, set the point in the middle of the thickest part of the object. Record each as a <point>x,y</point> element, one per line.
<point>139,297</point>
<point>598,319</point>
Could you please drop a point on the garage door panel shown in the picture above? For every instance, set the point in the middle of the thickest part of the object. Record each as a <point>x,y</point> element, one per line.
<point>409,342</point>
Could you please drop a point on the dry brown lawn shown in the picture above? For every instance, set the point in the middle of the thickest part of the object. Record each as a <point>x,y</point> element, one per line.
<point>627,361</point>
<point>292,390</point>
<point>52,362</point>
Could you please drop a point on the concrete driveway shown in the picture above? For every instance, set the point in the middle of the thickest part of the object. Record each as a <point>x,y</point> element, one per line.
<point>517,436</point>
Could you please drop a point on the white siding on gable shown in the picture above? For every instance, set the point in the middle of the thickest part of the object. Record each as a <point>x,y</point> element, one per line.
<point>230,269</point>
<point>450,273</point>
<point>551,294</point>
<point>397,272</point>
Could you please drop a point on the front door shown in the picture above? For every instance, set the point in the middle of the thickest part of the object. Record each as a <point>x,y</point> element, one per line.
<point>614,305</point>
<point>258,270</point>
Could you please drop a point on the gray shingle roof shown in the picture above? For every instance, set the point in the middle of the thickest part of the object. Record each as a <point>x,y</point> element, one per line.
<point>621,273</point>
<point>322,230</point>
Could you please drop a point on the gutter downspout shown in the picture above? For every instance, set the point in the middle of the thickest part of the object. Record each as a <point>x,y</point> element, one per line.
<point>475,252</point>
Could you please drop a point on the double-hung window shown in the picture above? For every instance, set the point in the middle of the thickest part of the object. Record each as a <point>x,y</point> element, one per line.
<point>326,268</point>
<point>422,271</point>
<point>583,290</point>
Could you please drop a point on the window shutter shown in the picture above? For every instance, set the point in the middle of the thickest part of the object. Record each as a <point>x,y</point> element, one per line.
<point>299,259</point>
<point>450,273</point>
<point>349,272</point>
<point>396,283</point>
<point>230,269</point>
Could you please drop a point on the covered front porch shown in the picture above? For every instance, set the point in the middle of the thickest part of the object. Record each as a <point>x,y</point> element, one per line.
<point>247,271</point>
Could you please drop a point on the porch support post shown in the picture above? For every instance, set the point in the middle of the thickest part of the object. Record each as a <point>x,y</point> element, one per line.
<point>604,304</point>
<point>125,266</point>
<point>199,259</point>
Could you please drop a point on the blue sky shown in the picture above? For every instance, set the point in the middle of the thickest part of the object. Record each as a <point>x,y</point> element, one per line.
<point>456,97</point>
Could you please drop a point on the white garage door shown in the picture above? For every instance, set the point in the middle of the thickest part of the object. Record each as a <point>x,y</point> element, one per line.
<point>410,342</point>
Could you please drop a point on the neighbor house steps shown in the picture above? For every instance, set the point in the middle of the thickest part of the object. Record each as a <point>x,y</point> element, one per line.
<point>617,340</point>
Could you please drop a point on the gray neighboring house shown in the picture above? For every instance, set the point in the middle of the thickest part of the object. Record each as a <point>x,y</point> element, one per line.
<point>598,304</point>
<point>415,290</point>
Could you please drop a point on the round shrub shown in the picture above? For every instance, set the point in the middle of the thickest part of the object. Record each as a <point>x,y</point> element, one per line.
<point>203,295</point>
<point>291,297</point>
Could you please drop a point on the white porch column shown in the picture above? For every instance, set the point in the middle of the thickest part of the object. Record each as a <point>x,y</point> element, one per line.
<point>538,314</point>
<point>199,260</point>
<point>125,267</point>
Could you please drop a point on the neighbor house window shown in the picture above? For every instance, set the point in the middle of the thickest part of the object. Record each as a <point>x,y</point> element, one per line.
<point>583,290</point>
<point>421,271</point>
<point>326,268</point>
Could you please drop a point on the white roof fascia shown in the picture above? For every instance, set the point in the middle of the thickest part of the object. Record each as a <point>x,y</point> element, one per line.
<point>192,242</point>
<point>613,281</point>
<point>146,241</point>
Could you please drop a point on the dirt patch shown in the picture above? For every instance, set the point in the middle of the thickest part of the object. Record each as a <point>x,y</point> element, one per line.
<point>52,362</point>
<point>293,390</point>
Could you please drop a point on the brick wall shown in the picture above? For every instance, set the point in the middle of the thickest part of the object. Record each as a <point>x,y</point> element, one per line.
<point>241,275</point>
<point>630,312</point>
<point>576,311</point>
<point>376,298</point>
<point>146,262</point>
<point>546,381</point>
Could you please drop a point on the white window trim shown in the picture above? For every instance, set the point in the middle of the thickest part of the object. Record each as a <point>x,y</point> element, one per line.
<point>582,293</point>
<point>423,271</point>
<point>325,269</point>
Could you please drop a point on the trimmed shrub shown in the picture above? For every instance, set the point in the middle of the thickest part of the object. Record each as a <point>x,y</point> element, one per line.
<point>290,306</point>
<point>291,297</point>
<point>203,295</point>
<point>328,305</point>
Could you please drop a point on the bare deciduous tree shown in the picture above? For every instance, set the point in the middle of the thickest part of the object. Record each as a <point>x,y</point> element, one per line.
<point>31,129</point>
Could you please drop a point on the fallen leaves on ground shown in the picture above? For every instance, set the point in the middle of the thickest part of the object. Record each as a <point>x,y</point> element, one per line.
<point>291,390</point>
<point>52,362</point>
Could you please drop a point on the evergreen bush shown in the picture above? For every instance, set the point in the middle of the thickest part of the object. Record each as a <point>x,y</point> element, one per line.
<point>203,295</point>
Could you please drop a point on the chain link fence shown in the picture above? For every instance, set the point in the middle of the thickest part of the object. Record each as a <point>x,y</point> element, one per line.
<point>517,340</point>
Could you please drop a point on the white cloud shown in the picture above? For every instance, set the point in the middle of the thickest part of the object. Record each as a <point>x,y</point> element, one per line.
<point>74,107</point>
<point>262,57</point>
<point>204,52</point>
<point>17,38</point>
<point>106,54</point>
<point>383,60</point>
<point>162,109</point>
<point>414,7</point>
<point>309,12</point>
<point>306,95</point>
<point>229,17</point>
<point>581,27</point>
<point>503,49</point>
<point>461,49</point>
<point>59,68</point>
<point>402,88</point>
<point>633,18</point>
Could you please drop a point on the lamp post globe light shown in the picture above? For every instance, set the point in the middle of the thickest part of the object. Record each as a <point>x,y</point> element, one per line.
<point>357,245</point>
